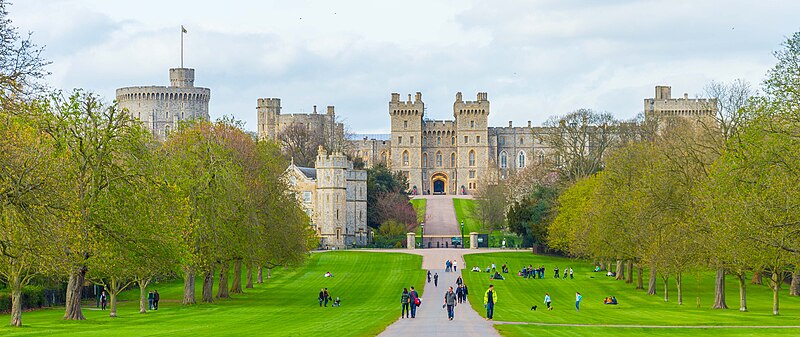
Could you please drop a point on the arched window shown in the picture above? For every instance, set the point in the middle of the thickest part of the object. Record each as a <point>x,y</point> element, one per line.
<point>503,160</point>
<point>438,140</point>
<point>383,157</point>
<point>541,158</point>
<point>521,159</point>
<point>425,141</point>
<point>453,141</point>
<point>471,157</point>
<point>453,159</point>
<point>405,158</point>
<point>438,159</point>
<point>424,160</point>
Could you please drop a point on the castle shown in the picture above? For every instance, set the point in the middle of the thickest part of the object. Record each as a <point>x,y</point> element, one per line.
<point>160,108</point>
<point>334,195</point>
<point>271,122</point>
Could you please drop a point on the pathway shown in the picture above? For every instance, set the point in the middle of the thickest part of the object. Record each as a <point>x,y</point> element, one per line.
<point>440,216</point>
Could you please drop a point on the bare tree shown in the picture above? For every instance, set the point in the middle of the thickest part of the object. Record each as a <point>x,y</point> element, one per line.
<point>22,66</point>
<point>580,140</point>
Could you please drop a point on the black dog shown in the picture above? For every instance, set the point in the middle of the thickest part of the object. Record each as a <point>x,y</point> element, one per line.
<point>534,308</point>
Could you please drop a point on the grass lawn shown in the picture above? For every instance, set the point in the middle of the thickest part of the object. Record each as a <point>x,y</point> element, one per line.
<point>464,213</point>
<point>516,296</point>
<point>419,206</point>
<point>369,285</point>
<point>529,330</point>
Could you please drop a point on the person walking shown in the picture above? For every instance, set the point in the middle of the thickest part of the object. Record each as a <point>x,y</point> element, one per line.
<point>156,298</point>
<point>103,300</point>
<point>459,293</point>
<point>150,300</point>
<point>326,296</point>
<point>465,292</point>
<point>459,281</point>
<point>450,303</point>
<point>321,296</point>
<point>436,279</point>
<point>413,297</point>
<point>429,276</point>
<point>489,299</point>
<point>455,267</point>
<point>547,301</point>
<point>405,311</point>
<point>578,299</point>
<point>571,275</point>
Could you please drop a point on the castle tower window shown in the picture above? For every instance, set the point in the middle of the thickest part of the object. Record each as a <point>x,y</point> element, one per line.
<point>439,141</point>
<point>541,158</point>
<point>453,141</point>
<point>521,159</point>
<point>521,140</point>
<point>399,140</point>
<point>472,174</point>
<point>471,157</point>
<point>472,124</point>
<point>383,157</point>
<point>503,160</point>
<point>412,139</point>
<point>466,139</point>
<point>478,139</point>
<point>453,159</point>
<point>424,160</point>
<point>405,124</point>
<point>405,158</point>
<point>439,159</point>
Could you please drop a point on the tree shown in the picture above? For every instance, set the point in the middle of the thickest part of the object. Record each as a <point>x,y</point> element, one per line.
<point>580,140</point>
<point>530,217</point>
<point>491,204</point>
<point>301,142</point>
<point>22,66</point>
<point>384,185</point>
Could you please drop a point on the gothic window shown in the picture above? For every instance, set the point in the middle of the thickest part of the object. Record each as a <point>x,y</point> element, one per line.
<point>405,158</point>
<point>472,174</point>
<point>439,159</point>
<point>521,140</point>
<point>521,160</point>
<point>166,130</point>
<point>424,141</point>
<point>453,159</point>
<point>424,160</point>
<point>471,157</point>
<point>541,158</point>
<point>453,141</point>
<point>438,140</point>
<point>503,160</point>
<point>383,157</point>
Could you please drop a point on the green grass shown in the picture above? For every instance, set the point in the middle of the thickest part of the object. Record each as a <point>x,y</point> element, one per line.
<point>530,330</point>
<point>419,206</point>
<point>285,305</point>
<point>465,213</point>
<point>517,295</point>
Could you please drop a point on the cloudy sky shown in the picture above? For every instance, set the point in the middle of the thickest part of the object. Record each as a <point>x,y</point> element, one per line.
<point>534,58</point>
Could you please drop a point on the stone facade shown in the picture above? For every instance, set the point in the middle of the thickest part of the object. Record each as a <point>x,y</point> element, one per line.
<point>663,105</point>
<point>271,121</point>
<point>160,108</point>
<point>334,195</point>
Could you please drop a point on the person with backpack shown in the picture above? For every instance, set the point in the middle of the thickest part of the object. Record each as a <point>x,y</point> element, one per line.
<point>156,298</point>
<point>405,311</point>
<point>326,297</point>
<point>414,301</point>
<point>489,299</point>
<point>450,303</point>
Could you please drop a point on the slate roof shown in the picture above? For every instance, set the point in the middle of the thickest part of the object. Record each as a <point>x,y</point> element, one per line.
<point>310,173</point>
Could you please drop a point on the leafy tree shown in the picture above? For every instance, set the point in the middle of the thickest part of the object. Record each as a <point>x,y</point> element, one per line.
<point>530,216</point>
<point>384,187</point>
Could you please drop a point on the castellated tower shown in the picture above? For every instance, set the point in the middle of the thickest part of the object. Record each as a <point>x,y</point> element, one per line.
<point>269,114</point>
<point>332,199</point>
<point>472,141</point>
<point>161,109</point>
<point>406,118</point>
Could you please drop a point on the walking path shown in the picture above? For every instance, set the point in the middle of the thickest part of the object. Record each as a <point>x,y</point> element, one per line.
<point>431,318</point>
<point>440,216</point>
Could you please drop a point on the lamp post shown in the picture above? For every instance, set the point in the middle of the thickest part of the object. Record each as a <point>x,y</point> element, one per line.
<point>422,232</point>
<point>462,234</point>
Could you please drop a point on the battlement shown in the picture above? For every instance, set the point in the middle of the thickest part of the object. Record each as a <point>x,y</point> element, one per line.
<point>272,102</point>
<point>663,104</point>
<point>181,77</point>
<point>477,107</point>
<point>408,107</point>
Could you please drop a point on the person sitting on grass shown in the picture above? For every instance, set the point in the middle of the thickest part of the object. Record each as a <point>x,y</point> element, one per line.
<point>505,268</point>
<point>488,269</point>
<point>613,300</point>
<point>497,276</point>
<point>337,302</point>
<point>328,274</point>
<point>476,269</point>
<point>596,268</point>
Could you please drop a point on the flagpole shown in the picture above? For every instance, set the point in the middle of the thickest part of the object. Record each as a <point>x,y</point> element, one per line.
<point>181,46</point>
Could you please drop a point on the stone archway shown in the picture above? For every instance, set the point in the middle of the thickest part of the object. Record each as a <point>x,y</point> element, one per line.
<point>439,183</point>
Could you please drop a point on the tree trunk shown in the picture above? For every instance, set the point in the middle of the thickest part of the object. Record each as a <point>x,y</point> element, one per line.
<point>620,270</point>
<point>666,287</point>
<point>678,278</point>
<point>260,274</point>
<point>112,297</point>
<point>72,309</point>
<point>776,281</point>
<point>719,290</point>
<point>249,276</point>
<point>269,273</point>
<point>742,292</point>
<point>188,286</point>
<point>757,278</point>
<point>236,284</point>
<point>651,286</point>
<point>794,288</point>
<point>16,298</point>
<point>142,283</point>
<point>208,285</point>
<point>222,291</point>
<point>639,277</point>
<point>629,272</point>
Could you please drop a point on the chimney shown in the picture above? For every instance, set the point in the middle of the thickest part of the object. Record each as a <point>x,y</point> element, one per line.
<point>315,109</point>
<point>409,97</point>
<point>458,97</point>
<point>330,109</point>
<point>510,124</point>
<point>529,123</point>
<point>686,95</point>
<point>418,97</point>
<point>395,97</point>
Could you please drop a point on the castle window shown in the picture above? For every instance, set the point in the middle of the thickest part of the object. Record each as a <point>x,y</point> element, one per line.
<point>399,140</point>
<point>166,130</point>
<point>453,159</point>
<point>472,124</point>
<point>424,141</point>
<point>477,139</point>
<point>521,140</point>
<point>405,158</point>
<point>307,197</point>
<point>472,174</point>
<point>466,139</point>
<point>453,141</point>
<point>424,160</point>
<point>412,139</point>
<point>541,158</point>
<point>503,160</point>
<point>471,157</point>
<point>439,159</point>
<point>383,157</point>
<point>438,140</point>
<point>405,124</point>
<point>502,140</point>
<point>521,159</point>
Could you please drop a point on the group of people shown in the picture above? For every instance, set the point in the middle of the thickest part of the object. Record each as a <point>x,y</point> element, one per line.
<point>152,298</point>
<point>450,266</point>
<point>567,271</point>
<point>435,278</point>
<point>530,272</point>
<point>409,301</point>
<point>325,297</point>
<point>610,300</point>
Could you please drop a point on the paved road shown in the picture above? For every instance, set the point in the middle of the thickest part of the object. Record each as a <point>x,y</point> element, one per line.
<point>431,318</point>
<point>440,216</point>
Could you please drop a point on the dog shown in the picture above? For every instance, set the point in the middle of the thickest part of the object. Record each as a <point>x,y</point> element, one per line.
<point>533,308</point>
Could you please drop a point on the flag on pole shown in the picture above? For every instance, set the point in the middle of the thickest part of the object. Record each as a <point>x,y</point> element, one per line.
<point>183,30</point>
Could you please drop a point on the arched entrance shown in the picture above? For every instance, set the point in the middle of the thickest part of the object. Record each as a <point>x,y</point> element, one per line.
<point>439,183</point>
